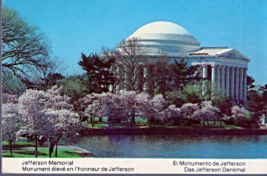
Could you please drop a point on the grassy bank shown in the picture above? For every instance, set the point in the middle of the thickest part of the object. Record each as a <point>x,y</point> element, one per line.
<point>139,122</point>
<point>23,149</point>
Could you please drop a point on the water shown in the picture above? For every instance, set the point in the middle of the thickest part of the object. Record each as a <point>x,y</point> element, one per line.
<point>176,146</point>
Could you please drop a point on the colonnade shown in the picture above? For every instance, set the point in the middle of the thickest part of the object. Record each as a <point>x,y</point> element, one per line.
<point>230,80</point>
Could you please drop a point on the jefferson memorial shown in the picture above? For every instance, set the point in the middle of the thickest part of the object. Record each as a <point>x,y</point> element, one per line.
<point>225,67</point>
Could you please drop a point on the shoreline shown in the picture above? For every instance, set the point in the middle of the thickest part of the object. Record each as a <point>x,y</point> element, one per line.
<point>81,151</point>
<point>163,130</point>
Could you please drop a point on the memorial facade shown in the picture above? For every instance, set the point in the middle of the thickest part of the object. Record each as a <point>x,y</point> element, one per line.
<point>225,67</point>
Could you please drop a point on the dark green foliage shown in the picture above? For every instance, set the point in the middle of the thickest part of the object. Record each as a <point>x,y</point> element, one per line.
<point>255,105</point>
<point>12,84</point>
<point>224,104</point>
<point>53,79</point>
<point>99,76</point>
<point>263,89</point>
<point>74,86</point>
<point>180,73</point>
<point>160,76</point>
<point>183,88</point>
<point>250,82</point>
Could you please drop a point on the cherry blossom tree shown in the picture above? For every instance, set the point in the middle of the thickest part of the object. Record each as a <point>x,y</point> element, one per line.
<point>142,101</point>
<point>65,123</point>
<point>241,116</point>
<point>116,107</point>
<point>31,107</point>
<point>10,123</point>
<point>128,101</point>
<point>80,105</point>
<point>153,110</point>
<point>54,99</point>
<point>48,114</point>
<point>60,114</point>
<point>95,106</point>
<point>8,98</point>
<point>187,111</point>
<point>207,112</point>
<point>172,113</point>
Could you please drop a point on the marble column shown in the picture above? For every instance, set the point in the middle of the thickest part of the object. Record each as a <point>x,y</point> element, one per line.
<point>145,86</point>
<point>204,76</point>
<point>245,85</point>
<point>213,79</point>
<point>227,82</point>
<point>233,83</point>
<point>218,76</point>
<point>241,85</point>
<point>205,71</point>
<point>237,84</point>
<point>223,79</point>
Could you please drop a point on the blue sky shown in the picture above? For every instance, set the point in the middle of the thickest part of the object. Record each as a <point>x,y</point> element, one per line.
<point>75,26</point>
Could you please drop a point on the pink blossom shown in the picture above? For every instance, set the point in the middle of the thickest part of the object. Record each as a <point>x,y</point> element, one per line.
<point>188,110</point>
<point>31,107</point>
<point>207,112</point>
<point>172,112</point>
<point>7,98</point>
<point>55,99</point>
<point>239,112</point>
<point>10,121</point>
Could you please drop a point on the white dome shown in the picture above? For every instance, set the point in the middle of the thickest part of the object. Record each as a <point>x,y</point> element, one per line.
<point>160,27</point>
<point>167,37</point>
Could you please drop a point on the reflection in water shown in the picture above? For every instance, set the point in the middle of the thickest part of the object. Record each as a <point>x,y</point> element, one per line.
<point>176,146</point>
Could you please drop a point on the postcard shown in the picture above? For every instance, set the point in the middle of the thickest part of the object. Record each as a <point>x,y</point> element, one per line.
<point>134,87</point>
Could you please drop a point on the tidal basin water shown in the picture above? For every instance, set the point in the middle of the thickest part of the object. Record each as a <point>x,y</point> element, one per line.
<point>176,146</point>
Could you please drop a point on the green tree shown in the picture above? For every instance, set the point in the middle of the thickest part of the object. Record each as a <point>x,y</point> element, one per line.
<point>12,84</point>
<point>192,92</point>
<point>53,79</point>
<point>263,89</point>
<point>74,86</point>
<point>255,104</point>
<point>181,71</point>
<point>224,104</point>
<point>250,83</point>
<point>98,71</point>
<point>23,47</point>
<point>158,76</point>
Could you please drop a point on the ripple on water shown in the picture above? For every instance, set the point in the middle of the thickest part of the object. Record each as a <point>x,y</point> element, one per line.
<point>176,146</point>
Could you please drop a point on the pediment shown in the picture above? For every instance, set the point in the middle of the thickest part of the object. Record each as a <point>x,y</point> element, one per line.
<point>233,54</point>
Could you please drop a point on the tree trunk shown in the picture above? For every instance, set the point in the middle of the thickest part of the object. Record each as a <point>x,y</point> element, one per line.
<point>56,148</point>
<point>133,117</point>
<point>151,120</point>
<point>100,119</point>
<point>206,122</point>
<point>51,147</point>
<point>92,121</point>
<point>36,151</point>
<point>10,147</point>
<point>50,152</point>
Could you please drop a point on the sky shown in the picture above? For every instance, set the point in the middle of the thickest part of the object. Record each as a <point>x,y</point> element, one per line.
<point>85,26</point>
